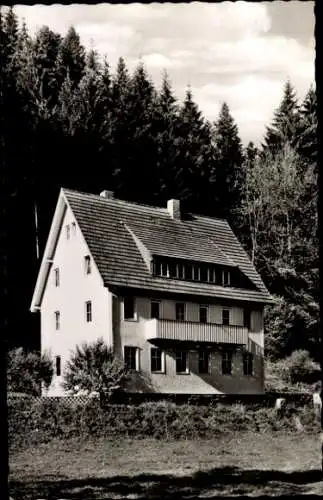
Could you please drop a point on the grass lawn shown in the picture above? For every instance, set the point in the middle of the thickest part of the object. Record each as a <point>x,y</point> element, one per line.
<point>239,464</point>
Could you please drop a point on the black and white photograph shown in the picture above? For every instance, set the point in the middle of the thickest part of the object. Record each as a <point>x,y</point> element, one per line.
<point>159,164</point>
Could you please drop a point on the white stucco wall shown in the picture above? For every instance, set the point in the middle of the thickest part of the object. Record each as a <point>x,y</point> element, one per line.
<point>76,287</point>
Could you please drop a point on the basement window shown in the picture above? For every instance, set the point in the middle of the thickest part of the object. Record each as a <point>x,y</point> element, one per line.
<point>131,357</point>
<point>204,361</point>
<point>181,362</point>
<point>247,363</point>
<point>157,360</point>
<point>226,363</point>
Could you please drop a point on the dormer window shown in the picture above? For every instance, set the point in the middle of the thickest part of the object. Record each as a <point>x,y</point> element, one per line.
<point>180,271</point>
<point>211,275</point>
<point>87,264</point>
<point>164,269</point>
<point>201,272</point>
<point>225,278</point>
<point>196,273</point>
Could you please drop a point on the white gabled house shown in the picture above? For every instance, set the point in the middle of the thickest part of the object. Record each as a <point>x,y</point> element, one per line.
<point>174,294</point>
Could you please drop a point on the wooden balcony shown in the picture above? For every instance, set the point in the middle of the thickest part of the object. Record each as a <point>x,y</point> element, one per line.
<point>190,331</point>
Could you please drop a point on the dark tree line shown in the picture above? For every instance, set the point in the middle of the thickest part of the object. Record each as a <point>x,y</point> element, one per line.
<point>69,121</point>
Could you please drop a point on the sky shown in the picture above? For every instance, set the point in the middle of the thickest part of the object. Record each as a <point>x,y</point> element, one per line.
<point>236,52</point>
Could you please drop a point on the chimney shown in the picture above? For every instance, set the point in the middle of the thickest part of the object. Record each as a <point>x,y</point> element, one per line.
<point>109,195</point>
<point>174,209</point>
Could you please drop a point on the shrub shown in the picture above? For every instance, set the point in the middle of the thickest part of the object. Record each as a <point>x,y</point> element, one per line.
<point>41,420</point>
<point>94,368</point>
<point>292,374</point>
<point>300,368</point>
<point>26,371</point>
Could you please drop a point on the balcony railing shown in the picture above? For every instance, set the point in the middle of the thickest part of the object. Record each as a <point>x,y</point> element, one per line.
<point>195,332</point>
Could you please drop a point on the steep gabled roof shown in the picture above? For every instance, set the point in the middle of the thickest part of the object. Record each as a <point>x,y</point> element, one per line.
<point>120,234</point>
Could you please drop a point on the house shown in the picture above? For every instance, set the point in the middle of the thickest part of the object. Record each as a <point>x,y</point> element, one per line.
<point>173,293</point>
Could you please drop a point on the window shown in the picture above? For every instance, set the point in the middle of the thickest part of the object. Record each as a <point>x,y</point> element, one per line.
<point>157,360</point>
<point>226,363</point>
<point>181,361</point>
<point>247,318</point>
<point>88,311</point>
<point>188,272</point>
<point>129,308</point>
<point>157,268</point>
<point>211,275</point>
<point>164,270</point>
<point>247,363</point>
<point>73,228</point>
<point>56,276</point>
<point>203,274</point>
<point>180,271</point>
<point>68,232</point>
<point>131,357</point>
<point>154,309</point>
<point>203,314</point>
<point>180,311</point>
<point>87,264</point>
<point>225,278</point>
<point>225,317</point>
<point>57,320</point>
<point>196,273</point>
<point>172,270</point>
<point>58,366</point>
<point>204,360</point>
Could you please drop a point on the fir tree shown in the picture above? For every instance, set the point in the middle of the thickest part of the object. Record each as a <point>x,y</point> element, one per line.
<point>166,128</point>
<point>285,122</point>
<point>71,57</point>
<point>45,54</point>
<point>307,130</point>
<point>230,174</point>
<point>195,161</point>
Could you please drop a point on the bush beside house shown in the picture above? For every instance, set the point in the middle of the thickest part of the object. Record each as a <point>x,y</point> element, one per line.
<point>27,371</point>
<point>94,368</point>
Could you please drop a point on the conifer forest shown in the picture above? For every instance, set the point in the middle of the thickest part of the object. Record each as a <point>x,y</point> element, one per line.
<point>69,121</point>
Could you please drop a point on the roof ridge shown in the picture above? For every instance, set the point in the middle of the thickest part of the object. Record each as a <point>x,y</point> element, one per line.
<point>118,200</point>
<point>144,205</point>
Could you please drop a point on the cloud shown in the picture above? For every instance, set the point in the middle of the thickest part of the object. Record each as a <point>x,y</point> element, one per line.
<point>230,51</point>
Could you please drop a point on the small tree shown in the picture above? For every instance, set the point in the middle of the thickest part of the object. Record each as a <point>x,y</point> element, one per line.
<point>94,367</point>
<point>26,371</point>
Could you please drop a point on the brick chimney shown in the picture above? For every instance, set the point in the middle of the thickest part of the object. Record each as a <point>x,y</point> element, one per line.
<point>109,195</point>
<point>174,209</point>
